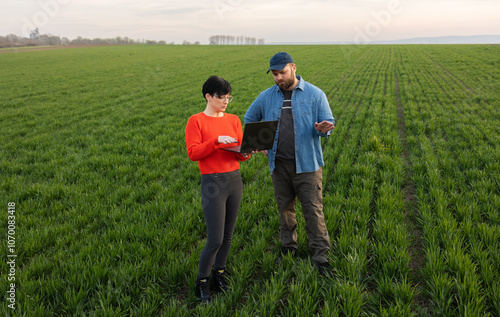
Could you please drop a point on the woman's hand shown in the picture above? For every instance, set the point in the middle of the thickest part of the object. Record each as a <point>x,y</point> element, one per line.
<point>226,139</point>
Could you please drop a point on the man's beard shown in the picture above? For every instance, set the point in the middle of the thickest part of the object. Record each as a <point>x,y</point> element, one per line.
<point>287,84</point>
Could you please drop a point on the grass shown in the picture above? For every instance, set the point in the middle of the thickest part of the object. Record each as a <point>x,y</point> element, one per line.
<point>108,213</point>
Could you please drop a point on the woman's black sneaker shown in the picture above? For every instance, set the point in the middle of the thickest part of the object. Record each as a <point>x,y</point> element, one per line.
<point>219,281</point>
<point>203,290</point>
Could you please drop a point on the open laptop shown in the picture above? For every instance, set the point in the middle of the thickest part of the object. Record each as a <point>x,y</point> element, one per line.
<point>257,136</point>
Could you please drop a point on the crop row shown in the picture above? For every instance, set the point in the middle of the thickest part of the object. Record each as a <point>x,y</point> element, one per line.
<point>454,150</point>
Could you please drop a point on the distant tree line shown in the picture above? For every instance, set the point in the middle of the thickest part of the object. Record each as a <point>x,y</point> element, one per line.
<point>12,40</point>
<point>234,40</point>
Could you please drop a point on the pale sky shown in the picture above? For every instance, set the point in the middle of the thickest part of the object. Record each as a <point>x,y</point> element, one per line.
<point>360,21</point>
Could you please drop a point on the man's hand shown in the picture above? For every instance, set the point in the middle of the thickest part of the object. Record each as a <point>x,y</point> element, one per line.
<point>324,126</point>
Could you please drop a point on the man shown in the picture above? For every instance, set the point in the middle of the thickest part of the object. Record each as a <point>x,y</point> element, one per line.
<point>296,158</point>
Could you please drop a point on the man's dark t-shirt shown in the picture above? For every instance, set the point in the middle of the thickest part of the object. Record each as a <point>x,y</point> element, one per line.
<point>286,135</point>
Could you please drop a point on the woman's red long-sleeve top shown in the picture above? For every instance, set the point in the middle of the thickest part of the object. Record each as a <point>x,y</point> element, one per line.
<point>202,133</point>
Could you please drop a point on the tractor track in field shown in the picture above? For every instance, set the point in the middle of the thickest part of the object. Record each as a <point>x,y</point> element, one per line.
<point>410,205</point>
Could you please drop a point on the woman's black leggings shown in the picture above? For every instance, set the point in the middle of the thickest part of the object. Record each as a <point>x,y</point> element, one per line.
<point>220,199</point>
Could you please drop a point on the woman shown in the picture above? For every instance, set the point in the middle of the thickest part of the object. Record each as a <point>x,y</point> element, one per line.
<point>221,186</point>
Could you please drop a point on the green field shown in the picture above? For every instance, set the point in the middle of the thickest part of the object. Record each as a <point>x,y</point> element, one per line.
<point>100,205</point>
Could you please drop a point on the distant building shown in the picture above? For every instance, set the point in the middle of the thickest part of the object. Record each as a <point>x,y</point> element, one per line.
<point>34,34</point>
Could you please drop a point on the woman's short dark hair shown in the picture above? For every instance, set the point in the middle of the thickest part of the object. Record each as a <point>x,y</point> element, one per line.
<point>216,85</point>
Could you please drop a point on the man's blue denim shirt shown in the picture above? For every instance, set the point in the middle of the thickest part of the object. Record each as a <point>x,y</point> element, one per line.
<point>309,105</point>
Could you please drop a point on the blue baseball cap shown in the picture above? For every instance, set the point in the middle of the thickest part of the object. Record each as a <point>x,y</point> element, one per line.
<point>279,61</point>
